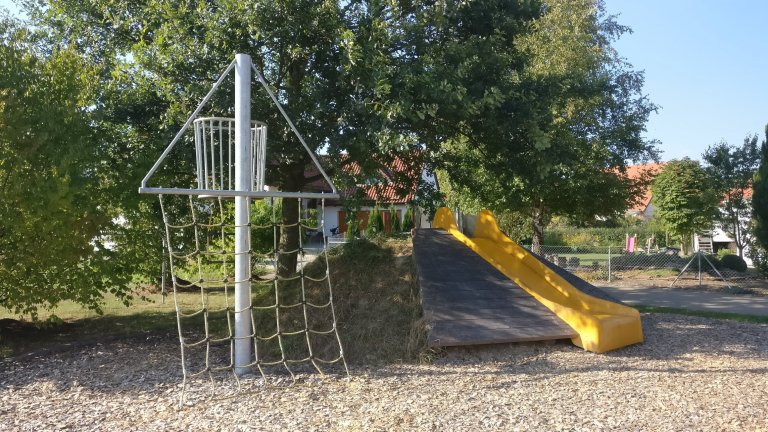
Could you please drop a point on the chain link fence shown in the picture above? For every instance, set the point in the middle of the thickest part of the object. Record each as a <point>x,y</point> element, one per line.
<point>612,265</point>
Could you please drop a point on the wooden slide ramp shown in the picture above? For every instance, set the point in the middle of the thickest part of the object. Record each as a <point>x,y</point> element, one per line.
<point>468,302</point>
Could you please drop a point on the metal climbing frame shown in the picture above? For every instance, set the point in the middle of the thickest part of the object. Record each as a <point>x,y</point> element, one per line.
<point>230,167</point>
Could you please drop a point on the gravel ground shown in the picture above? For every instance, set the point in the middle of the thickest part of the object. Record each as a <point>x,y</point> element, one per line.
<point>691,374</point>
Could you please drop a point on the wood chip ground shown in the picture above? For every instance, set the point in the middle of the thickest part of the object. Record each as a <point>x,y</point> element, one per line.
<point>691,374</point>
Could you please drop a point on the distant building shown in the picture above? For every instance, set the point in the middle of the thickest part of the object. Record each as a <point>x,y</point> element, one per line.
<point>709,242</point>
<point>388,189</point>
<point>643,209</point>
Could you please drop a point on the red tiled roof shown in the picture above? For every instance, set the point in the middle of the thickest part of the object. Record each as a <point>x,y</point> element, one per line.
<point>636,172</point>
<point>387,192</point>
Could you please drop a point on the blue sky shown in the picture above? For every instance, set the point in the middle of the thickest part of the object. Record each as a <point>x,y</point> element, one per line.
<point>706,66</point>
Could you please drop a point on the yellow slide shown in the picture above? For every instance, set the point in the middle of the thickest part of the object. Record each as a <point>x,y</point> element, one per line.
<point>602,325</point>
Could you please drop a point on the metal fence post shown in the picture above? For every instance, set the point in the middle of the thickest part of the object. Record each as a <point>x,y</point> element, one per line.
<point>609,263</point>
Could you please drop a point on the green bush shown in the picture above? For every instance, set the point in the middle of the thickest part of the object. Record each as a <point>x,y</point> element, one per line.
<point>734,262</point>
<point>375,223</point>
<point>353,227</point>
<point>759,257</point>
<point>643,261</point>
<point>601,236</point>
<point>396,226</point>
<point>408,220</point>
<point>723,252</point>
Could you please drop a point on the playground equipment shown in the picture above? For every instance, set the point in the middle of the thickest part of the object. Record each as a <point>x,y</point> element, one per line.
<point>601,325</point>
<point>214,243</point>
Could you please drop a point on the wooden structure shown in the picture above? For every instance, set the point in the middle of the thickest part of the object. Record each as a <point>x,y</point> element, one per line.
<point>468,302</point>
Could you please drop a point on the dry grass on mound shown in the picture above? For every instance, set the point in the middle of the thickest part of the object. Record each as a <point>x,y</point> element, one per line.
<point>376,299</point>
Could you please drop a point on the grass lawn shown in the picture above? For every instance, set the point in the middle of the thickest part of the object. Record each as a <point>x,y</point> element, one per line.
<point>704,314</point>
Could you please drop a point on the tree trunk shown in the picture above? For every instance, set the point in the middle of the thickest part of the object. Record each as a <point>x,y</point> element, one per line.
<point>289,238</point>
<point>738,235</point>
<point>686,244</point>
<point>538,228</point>
<point>292,181</point>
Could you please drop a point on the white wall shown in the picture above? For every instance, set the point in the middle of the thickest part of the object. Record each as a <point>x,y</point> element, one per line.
<point>331,215</point>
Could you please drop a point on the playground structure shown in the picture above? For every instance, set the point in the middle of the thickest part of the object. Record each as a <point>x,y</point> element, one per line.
<point>215,241</point>
<point>597,324</point>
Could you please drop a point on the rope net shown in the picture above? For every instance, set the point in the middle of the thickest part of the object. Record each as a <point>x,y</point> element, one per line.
<point>293,320</point>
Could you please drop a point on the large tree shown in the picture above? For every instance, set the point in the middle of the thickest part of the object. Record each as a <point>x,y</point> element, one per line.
<point>684,200</point>
<point>730,170</point>
<point>326,61</point>
<point>760,203</point>
<point>55,213</point>
<point>539,113</point>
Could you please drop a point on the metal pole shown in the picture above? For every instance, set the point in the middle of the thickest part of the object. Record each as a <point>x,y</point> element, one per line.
<point>243,329</point>
<point>609,263</point>
<point>699,255</point>
<point>162,275</point>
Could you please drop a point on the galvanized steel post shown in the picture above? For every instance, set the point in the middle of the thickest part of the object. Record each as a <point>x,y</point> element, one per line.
<point>243,182</point>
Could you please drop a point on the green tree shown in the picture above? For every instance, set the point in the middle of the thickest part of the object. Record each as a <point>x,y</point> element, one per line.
<point>328,62</point>
<point>375,223</point>
<point>56,221</point>
<point>684,200</point>
<point>760,208</point>
<point>730,170</point>
<point>546,114</point>
<point>395,226</point>
<point>408,220</point>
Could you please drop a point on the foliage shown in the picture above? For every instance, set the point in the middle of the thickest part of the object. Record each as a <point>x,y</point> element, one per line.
<point>734,262</point>
<point>556,113</point>
<point>760,198</point>
<point>329,63</point>
<point>396,226</point>
<point>57,221</point>
<point>408,220</point>
<point>730,170</point>
<point>375,223</point>
<point>723,252</point>
<point>429,199</point>
<point>642,261</point>
<point>516,225</point>
<point>684,199</point>
<point>603,236</point>
<point>353,226</point>
<point>759,257</point>
<point>263,213</point>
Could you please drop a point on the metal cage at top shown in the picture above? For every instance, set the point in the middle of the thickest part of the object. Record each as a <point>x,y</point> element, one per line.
<point>215,153</point>
<point>218,150</point>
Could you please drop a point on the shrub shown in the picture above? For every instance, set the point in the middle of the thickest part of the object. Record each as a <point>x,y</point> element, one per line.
<point>396,226</point>
<point>353,228</point>
<point>375,223</point>
<point>734,262</point>
<point>759,257</point>
<point>601,236</point>
<point>723,252</point>
<point>408,220</point>
<point>574,262</point>
<point>643,261</point>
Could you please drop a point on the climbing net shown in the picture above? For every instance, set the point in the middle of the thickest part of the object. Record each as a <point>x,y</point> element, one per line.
<point>292,313</point>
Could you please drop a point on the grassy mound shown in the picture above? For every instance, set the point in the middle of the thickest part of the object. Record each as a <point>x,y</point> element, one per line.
<point>376,301</point>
